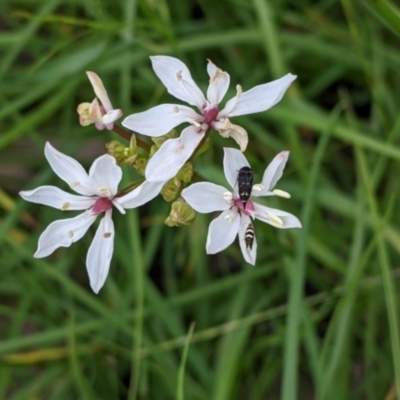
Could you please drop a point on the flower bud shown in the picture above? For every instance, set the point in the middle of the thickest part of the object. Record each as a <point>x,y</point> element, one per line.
<point>158,141</point>
<point>140,164</point>
<point>121,153</point>
<point>171,189</point>
<point>181,214</point>
<point>117,150</point>
<point>185,173</point>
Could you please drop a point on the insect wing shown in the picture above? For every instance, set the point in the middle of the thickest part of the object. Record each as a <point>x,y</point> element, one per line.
<point>245,183</point>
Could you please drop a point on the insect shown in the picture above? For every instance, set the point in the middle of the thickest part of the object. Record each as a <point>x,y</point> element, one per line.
<point>249,236</point>
<point>245,183</point>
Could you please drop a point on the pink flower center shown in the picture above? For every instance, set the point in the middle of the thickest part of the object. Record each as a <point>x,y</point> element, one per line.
<point>249,210</point>
<point>102,204</point>
<point>210,115</point>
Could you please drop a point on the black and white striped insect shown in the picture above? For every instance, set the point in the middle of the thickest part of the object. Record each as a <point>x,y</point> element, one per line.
<point>245,183</point>
<point>249,236</point>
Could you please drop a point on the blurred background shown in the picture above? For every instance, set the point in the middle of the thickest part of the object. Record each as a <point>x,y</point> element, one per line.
<point>317,317</point>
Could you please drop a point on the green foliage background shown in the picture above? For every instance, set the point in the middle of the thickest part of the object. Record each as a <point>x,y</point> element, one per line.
<point>317,318</point>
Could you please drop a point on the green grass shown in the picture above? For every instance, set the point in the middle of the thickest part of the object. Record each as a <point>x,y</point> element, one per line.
<point>317,317</point>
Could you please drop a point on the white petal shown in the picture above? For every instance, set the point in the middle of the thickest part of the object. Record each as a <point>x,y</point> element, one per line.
<point>54,197</point>
<point>141,195</point>
<point>289,220</point>
<point>100,253</point>
<point>172,154</point>
<point>205,197</point>
<point>159,120</point>
<point>170,71</point>
<point>222,231</point>
<point>249,255</point>
<point>196,95</point>
<point>260,98</point>
<point>272,174</point>
<point>105,175</point>
<point>62,233</point>
<point>219,84</point>
<point>233,161</point>
<point>99,90</point>
<point>69,170</point>
<point>236,132</point>
<point>111,116</point>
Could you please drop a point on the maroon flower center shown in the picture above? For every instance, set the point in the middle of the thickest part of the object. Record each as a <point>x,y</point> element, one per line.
<point>249,210</point>
<point>210,115</point>
<point>102,204</point>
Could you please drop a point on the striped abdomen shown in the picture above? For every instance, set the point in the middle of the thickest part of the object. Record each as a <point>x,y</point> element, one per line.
<point>249,236</point>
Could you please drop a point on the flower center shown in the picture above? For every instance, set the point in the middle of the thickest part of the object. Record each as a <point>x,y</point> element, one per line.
<point>210,115</point>
<point>102,204</point>
<point>249,210</point>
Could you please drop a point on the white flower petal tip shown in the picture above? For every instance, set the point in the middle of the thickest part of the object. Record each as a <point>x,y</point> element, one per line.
<point>283,155</point>
<point>281,193</point>
<point>99,90</point>
<point>111,116</point>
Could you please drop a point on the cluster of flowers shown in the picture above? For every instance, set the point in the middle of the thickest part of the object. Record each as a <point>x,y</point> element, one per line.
<point>166,169</point>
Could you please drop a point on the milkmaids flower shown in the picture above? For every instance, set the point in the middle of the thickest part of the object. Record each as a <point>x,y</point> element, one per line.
<point>159,120</point>
<point>235,218</point>
<point>98,194</point>
<point>102,116</point>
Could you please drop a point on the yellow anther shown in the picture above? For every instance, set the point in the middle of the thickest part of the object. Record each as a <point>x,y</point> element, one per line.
<point>281,193</point>
<point>65,206</point>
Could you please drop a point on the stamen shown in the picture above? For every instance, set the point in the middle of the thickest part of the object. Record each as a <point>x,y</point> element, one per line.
<point>281,193</point>
<point>258,187</point>
<point>239,90</point>
<point>179,75</point>
<point>71,234</point>
<point>228,196</point>
<point>65,206</point>
<point>275,220</point>
<point>216,75</point>
<point>229,218</point>
<point>193,122</point>
<point>74,185</point>
<point>104,191</point>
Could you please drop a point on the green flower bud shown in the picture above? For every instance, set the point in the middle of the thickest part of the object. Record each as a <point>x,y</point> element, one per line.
<point>181,214</point>
<point>185,173</point>
<point>140,164</point>
<point>121,153</point>
<point>160,140</point>
<point>117,150</point>
<point>171,189</point>
<point>153,149</point>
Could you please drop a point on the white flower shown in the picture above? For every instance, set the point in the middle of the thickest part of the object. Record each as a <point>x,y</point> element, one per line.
<point>104,115</point>
<point>235,218</point>
<point>98,191</point>
<point>159,120</point>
